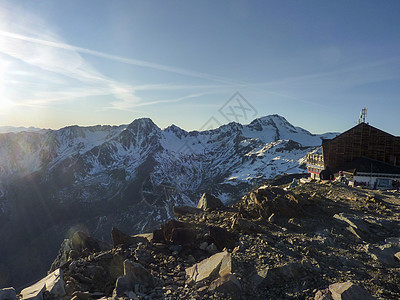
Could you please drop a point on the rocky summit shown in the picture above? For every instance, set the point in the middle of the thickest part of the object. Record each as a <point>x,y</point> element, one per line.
<point>314,241</point>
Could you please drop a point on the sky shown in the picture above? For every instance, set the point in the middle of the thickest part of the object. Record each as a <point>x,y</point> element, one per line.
<point>199,64</point>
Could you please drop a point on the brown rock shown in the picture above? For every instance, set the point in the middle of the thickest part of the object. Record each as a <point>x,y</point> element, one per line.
<point>121,239</point>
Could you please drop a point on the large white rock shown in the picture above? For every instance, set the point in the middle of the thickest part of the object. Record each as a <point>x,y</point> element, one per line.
<point>53,283</point>
<point>218,264</point>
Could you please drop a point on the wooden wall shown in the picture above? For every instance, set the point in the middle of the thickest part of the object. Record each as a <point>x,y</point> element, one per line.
<point>361,140</point>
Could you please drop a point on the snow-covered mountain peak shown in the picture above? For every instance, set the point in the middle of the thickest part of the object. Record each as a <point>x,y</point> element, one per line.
<point>142,123</point>
<point>173,129</point>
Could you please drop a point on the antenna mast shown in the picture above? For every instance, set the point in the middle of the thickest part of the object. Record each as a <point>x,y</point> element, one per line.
<point>363,116</point>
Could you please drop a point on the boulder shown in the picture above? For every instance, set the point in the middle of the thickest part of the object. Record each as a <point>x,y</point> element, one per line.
<point>52,283</point>
<point>217,265</point>
<point>349,291</point>
<point>134,275</point>
<point>121,239</point>
<point>137,274</point>
<point>8,294</point>
<point>181,233</point>
<point>209,202</point>
<point>227,283</point>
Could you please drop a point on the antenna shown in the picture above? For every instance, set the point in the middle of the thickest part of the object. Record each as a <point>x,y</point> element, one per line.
<point>363,116</point>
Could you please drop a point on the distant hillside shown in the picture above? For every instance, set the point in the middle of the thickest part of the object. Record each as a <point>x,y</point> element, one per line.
<point>7,129</point>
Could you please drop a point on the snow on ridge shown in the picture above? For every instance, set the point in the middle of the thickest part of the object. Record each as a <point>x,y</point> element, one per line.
<point>14,129</point>
<point>128,143</point>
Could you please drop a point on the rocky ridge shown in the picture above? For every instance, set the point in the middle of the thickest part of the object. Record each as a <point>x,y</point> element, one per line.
<point>314,241</point>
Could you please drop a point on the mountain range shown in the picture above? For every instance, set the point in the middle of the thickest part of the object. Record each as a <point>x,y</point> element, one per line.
<point>54,182</point>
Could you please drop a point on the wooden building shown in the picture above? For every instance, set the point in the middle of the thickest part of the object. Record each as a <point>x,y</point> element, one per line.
<point>361,141</point>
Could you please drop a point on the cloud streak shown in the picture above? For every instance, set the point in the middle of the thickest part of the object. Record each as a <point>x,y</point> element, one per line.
<point>57,72</point>
<point>124,60</point>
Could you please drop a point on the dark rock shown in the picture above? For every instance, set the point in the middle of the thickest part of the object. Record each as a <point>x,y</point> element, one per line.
<point>246,226</point>
<point>143,256</point>
<point>121,239</point>
<point>180,211</point>
<point>158,236</point>
<point>227,283</point>
<point>212,248</point>
<point>187,236</point>
<point>170,226</point>
<point>8,294</point>
<point>209,202</point>
<point>385,253</point>
<point>222,238</point>
<point>276,276</point>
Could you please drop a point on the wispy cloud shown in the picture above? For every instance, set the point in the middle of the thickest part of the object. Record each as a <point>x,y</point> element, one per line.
<point>129,61</point>
<point>125,105</point>
<point>351,75</point>
<point>30,42</point>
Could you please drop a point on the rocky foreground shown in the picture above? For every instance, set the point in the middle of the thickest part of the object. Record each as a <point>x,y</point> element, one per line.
<point>314,241</point>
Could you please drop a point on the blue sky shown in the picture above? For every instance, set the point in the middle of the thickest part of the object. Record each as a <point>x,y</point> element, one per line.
<point>317,63</point>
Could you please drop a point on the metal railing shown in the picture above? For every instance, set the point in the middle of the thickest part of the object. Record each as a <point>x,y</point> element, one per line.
<point>315,159</point>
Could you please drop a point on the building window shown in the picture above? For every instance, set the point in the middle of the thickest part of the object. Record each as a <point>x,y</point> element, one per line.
<point>384,183</point>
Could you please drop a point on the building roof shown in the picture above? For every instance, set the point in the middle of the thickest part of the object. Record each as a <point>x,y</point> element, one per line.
<point>367,165</point>
<point>326,141</point>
